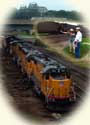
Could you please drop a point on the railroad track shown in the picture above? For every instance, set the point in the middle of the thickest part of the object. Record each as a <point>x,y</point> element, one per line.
<point>20,91</point>
<point>76,74</point>
<point>80,93</point>
<point>18,87</point>
<point>79,75</point>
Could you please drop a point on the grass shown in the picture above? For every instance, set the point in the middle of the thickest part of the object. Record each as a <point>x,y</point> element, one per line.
<point>43,34</point>
<point>24,33</point>
<point>86,40</point>
<point>84,50</point>
<point>66,50</point>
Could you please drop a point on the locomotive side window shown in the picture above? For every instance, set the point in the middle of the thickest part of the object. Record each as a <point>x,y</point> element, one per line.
<point>46,73</point>
<point>46,76</point>
<point>54,73</point>
<point>28,59</point>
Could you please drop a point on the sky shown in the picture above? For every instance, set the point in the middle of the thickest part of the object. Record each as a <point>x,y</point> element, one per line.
<point>50,4</point>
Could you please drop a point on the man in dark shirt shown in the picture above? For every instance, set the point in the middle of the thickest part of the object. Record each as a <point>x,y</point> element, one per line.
<point>71,34</point>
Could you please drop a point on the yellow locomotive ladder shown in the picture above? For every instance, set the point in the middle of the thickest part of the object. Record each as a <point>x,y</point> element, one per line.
<point>51,91</point>
<point>48,94</point>
<point>46,87</point>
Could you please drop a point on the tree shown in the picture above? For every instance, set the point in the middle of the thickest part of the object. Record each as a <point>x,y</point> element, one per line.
<point>32,10</point>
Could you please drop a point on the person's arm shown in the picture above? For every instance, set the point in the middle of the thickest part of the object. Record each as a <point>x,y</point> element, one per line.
<point>73,34</point>
<point>64,32</point>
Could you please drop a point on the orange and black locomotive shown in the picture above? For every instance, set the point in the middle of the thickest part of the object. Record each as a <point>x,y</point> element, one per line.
<point>51,79</point>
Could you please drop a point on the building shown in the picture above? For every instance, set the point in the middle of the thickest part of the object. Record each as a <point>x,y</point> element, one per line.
<point>42,9</point>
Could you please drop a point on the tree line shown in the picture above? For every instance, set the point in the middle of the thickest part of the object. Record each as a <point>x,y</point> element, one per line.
<point>72,15</point>
<point>32,10</point>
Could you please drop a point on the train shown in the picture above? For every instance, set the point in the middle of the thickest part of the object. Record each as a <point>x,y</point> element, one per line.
<point>51,79</point>
<point>50,27</point>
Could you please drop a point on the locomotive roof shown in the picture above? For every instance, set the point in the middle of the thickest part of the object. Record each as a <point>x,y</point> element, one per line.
<point>43,59</point>
<point>25,47</point>
<point>37,55</point>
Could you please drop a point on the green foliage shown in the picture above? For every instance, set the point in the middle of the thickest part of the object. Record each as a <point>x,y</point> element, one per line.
<point>64,14</point>
<point>84,50</point>
<point>86,40</point>
<point>33,11</point>
<point>24,33</point>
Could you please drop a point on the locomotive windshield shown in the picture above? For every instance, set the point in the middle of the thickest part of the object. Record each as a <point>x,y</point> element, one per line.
<point>56,72</point>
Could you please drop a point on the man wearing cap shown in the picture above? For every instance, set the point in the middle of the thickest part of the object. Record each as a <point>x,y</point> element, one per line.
<point>72,37</point>
<point>71,34</point>
<point>77,42</point>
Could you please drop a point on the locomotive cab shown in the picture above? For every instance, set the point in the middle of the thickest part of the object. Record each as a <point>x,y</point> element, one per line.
<point>57,84</point>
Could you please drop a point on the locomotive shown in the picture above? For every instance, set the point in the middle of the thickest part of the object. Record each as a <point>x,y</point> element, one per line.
<point>51,79</point>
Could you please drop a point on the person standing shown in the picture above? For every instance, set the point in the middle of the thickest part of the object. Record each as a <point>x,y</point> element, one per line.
<point>77,42</point>
<point>72,37</point>
<point>71,34</point>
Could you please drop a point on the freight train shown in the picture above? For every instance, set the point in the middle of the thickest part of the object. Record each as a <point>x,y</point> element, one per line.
<point>51,79</point>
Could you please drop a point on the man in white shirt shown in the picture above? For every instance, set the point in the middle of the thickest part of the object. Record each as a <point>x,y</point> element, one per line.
<point>77,41</point>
